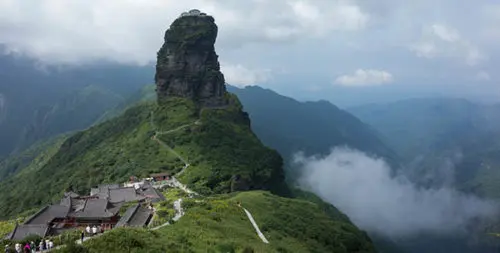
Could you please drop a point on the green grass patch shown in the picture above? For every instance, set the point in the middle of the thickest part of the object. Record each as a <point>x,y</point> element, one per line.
<point>217,224</point>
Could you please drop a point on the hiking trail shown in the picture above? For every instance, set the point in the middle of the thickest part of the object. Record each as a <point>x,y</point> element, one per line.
<point>259,233</point>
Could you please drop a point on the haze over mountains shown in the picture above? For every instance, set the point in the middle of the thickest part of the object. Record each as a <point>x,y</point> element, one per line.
<point>195,130</point>
<point>450,142</point>
<point>418,172</point>
<point>290,126</point>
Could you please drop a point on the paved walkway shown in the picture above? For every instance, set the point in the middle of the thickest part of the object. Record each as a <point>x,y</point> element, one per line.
<point>174,182</point>
<point>179,212</point>
<point>250,217</point>
<point>79,241</point>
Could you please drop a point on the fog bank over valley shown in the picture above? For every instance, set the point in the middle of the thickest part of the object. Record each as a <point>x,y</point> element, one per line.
<point>362,187</point>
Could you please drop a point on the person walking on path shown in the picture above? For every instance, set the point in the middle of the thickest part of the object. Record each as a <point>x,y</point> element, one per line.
<point>27,248</point>
<point>94,230</point>
<point>18,248</point>
<point>51,244</point>
<point>83,235</point>
<point>41,246</point>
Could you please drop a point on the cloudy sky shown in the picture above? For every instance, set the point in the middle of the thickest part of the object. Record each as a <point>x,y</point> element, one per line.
<point>346,51</point>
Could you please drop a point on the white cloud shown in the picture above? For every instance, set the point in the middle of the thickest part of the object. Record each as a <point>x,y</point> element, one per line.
<point>363,77</point>
<point>309,38</point>
<point>240,76</point>
<point>363,188</point>
<point>131,31</point>
<point>483,76</point>
<point>490,28</point>
<point>425,49</point>
<point>438,40</point>
<point>445,33</point>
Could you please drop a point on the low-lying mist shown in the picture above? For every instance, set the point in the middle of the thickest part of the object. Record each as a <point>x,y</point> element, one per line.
<point>362,187</point>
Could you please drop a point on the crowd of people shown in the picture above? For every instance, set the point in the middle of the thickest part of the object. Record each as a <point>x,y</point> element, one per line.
<point>44,245</point>
<point>30,247</point>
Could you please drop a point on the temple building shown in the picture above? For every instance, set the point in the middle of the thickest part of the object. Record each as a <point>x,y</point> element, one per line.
<point>101,208</point>
<point>193,12</point>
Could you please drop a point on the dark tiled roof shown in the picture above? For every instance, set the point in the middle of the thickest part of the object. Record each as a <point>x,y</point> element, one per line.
<point>22,231</point>
<point>140,218</point>
<point>135,216</point>
<point>114,208</point>
<point>93,208</point>
<point>127,194</point>
<point>66,201</point>
<point>47,214</point>
<point>150,192</point>
<point>103,190</point>
<point>127,215</point>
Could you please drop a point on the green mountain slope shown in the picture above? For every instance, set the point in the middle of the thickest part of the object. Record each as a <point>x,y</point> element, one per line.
<point>32,158</point>
<point>290,126</point>
<point>218,224</point>
<point>223,153</point>
<point>77,111</point>
<point>145,94</point>
<point>312,127</point>
<point>211,140</point>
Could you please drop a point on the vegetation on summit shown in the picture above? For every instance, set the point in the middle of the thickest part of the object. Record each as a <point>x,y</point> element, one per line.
<point>116,149</point>
<point>218,224</point>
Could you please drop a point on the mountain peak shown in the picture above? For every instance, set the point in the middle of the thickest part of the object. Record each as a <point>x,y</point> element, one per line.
<point>187,64</point>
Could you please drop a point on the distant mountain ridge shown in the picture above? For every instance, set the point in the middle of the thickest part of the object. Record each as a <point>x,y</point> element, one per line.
<point>435,135</point>
<point>27,89</point>
<point>291,126</point>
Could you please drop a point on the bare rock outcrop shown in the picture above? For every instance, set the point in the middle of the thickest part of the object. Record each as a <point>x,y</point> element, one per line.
<point>187,64</point>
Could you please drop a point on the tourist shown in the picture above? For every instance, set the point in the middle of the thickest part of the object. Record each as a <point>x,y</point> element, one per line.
<point>18,248</point>
<point>33,247</point>
<point>46,244</point>
<point>27,248</point>
<point>83,235</point>
<point>7,248</point>
<point>40,245</point>
<point>88,229</point>
<point>51,244</point>
<point>94,230</point>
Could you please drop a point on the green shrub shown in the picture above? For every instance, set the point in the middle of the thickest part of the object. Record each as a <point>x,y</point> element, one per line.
<point>31,238</point>
<point>226,248</point>
<point>72,247</point>
<point>248,249</point>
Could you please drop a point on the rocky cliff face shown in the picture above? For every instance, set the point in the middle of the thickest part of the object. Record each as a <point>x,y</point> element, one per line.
<point>187,65</point>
